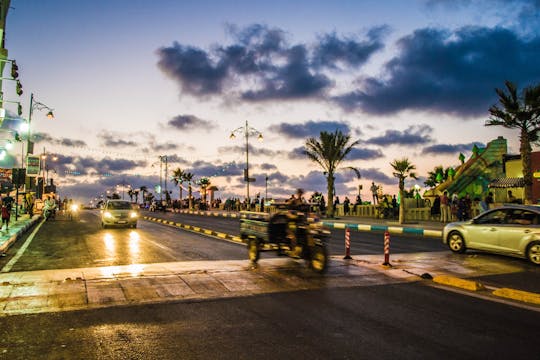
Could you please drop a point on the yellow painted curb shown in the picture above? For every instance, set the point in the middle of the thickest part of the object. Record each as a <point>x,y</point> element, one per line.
<point>519,295</point>
<point>457,282</point>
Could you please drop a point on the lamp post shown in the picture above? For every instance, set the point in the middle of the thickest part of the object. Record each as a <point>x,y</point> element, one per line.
<point>247,130</point>
<point>35,105</point>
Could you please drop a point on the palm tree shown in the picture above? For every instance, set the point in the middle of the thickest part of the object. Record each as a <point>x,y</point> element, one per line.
<point>136,193</point>
<point>522,113</point>
<point>329,151</point>
<point>189,178</point>
<point>402,170</point>
<point>178,179</point>
<point>204,183</point>
<point>143,190</point>
<point>131,193</point>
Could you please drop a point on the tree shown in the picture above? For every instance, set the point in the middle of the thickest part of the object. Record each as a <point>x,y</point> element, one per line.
<point>522,113</point>
<point>178,179</point>
<point>188,177</point>
<point>204,183</point>
<point>131,193</point>
<point>136,193</point>
<point>329,151</point>
<point>402,170</point>
<point>437,176</point>
<point>143,190</point>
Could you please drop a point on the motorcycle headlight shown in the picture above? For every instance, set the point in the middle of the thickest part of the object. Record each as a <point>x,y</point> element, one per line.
<point>74,207</point>
<point>107,214</point>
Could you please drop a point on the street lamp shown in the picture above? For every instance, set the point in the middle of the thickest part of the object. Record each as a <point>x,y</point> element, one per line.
<point>247,130</point>
<point>35,105</point>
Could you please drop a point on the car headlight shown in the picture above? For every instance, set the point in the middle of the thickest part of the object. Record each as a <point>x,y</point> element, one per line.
<point>74,207</point>
<point>107,214</point>
<point>133,214</point>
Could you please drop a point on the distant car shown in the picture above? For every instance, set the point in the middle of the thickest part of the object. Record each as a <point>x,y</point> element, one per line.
<point>119,213</point>
<point>512,230</point>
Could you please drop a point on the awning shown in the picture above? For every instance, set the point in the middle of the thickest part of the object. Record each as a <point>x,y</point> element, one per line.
<point>507,183</point>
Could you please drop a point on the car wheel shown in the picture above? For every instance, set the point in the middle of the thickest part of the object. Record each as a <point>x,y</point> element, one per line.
<point>533,252</point>
<point>456,243</point>
<point>253,250</point>
<point>319,259</point>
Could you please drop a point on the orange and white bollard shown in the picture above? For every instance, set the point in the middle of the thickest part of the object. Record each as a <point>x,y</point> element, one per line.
<point>347,244</point>
<point>387,249</point>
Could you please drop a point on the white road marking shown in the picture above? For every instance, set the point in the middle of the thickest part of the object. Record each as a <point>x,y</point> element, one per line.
<point>13,261</point>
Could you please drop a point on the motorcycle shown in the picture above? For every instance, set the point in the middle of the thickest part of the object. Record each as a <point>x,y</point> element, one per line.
<point>73,212</point>
<point>291,233</point>
<point>49,214</point>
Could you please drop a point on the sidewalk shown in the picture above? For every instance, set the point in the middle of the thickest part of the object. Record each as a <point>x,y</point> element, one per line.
<point>16,229</point>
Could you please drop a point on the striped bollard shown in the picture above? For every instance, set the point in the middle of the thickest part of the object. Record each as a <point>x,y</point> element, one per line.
<point>387,249</point>
<point>347,244</point>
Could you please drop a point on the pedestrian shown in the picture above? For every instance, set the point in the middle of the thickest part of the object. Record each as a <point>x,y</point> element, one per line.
<point>374,188</point>
<point>6,210</point>
<point>346,207</point>
<point>445,207</point>
<point>29,198</point>
<point>511,197</point>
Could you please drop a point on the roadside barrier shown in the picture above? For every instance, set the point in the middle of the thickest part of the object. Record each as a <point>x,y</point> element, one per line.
<point>347,244</point>
<point>387,249</point>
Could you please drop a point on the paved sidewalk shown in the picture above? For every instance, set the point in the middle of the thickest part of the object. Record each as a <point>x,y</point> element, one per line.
<point>16,229</point>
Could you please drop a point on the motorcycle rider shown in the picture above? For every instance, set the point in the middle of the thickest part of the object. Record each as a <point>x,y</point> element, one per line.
<point>49,208</point>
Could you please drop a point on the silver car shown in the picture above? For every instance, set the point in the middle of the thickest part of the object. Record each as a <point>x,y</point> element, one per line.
<point>509,230</point>
<point>119,212</point>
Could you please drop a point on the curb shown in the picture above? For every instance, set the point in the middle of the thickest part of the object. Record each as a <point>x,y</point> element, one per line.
<point>196,229</point>
<point>518,295</point>
<point>5,246</point>
<point>459,283</point>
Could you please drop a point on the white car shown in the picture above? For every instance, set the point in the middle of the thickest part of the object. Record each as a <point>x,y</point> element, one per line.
<point>119,213</point>
<point>512,230</point>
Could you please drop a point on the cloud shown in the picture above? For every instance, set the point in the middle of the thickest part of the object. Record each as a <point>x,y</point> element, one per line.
<point>44,137</point>
<point>309,129</point>
<point>298,153</point>
<point>364,154</point>
<point>189,122</point>
<point>267,166</point>
<point>331,51</point>
<point>206,169</point>
<point>453,72</point>
<point>450,148</point>
<point>242,150</point>
<point>262,65</point>
<point>377,176</point>
<point>414,135</point>
<point>108,139</point>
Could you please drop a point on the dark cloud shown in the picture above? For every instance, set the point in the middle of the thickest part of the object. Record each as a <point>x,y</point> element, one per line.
<point>331,51</point>
<point>109,140</point>
<point>309,129</point>
<point>364,154</point>
<point>377,176</point>
<point>206,169</point>
<point>189,122</point>
<point>261,55</point>
<point>414,135</point>
<point>89,165</point>
<point>452,72</point>
<point>242,150</point>
<point>298,153</point>
<point>450,148</point>
<point>267,166</point>
<point>44,137</point>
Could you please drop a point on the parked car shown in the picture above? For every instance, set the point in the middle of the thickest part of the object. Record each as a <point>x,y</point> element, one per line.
<point>512,230</point>
<point>119,213</point>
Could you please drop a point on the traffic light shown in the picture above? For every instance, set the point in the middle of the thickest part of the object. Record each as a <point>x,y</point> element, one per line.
<point>19,109</point>
<point>14,70</point>
<point>19,89</point>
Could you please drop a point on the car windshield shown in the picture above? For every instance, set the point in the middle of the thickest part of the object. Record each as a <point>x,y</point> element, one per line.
<point>119,205</point>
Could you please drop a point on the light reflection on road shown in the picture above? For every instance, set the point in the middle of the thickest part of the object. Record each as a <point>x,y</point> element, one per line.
<point>112,243</point>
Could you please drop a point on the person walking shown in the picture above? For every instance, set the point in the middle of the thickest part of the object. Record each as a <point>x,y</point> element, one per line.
<point>374,188</point>
<point>445,207</point>
<point>7,201</point>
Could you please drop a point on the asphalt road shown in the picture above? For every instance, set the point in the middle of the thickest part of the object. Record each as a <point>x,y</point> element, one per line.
<point>64,244</point>
<point>407,321</point>
<point>362,243</point>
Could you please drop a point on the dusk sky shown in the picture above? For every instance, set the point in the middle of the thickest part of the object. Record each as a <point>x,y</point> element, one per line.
<point>132,80</point>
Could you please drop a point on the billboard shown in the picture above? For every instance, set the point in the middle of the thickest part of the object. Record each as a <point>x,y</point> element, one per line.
<point>32,165</point>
